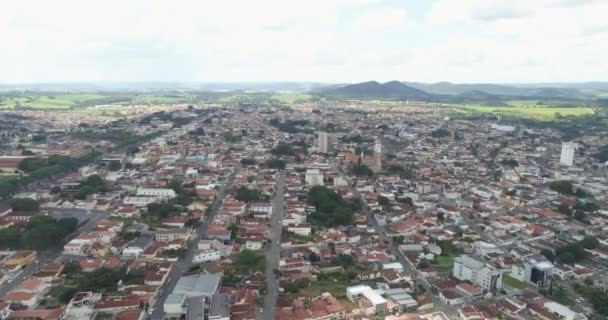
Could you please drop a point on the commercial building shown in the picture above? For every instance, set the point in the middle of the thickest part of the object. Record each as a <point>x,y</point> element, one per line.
<point>323,142</point>
<point>567,155</point>
<point>538,270</point>
<point>314,177</point>
<point>468,268</point>
<point>157,193</point>
<point>356,293</point>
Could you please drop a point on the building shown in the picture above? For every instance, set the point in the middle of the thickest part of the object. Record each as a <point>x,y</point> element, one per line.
<point>173,234</point>
<point>538,270</point>
<point>200,285</point>
<point>314,177</point>
<point>323,142</point>
<point>356,293</point>
<point>206,255</point>
<point>377,167</point>
<point>156,193</point>
<point>567,155</point>
<point>467,268</point>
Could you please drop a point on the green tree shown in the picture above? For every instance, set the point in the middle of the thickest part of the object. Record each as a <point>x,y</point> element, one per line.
<point>24,204</point>
<point>114,166</point>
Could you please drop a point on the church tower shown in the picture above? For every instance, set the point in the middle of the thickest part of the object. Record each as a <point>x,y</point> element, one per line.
<point>377,156</point>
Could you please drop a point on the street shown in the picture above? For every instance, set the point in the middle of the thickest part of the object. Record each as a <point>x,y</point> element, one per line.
<point>185,263</point>
<point>272,251</point>
<point>407,264</point>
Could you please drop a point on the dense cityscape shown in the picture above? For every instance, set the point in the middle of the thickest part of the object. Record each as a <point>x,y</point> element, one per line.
<point>306,211</point>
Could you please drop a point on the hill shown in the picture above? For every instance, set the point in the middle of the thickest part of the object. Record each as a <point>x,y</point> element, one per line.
<point>448,88</point>
<point>371,90</point>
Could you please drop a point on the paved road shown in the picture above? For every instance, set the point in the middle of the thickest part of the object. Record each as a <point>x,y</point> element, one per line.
<point>185,263</point>
<point>273,251</point>
<point>52,254</point>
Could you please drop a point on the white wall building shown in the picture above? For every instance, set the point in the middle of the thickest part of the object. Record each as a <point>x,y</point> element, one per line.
<point>314,177</point>
<point>567,156</point>
<point>479,273</point>
<point>206,255</point>
<point>322,143</point>
<point>157,193</point>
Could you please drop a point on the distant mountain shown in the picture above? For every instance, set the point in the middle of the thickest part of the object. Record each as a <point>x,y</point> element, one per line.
<point>448,88</point>
<point>371,90</point>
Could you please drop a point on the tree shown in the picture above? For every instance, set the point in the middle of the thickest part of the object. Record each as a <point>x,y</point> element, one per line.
<point>562,186</point>
<point>440,216</point>
<point>114,166</point>
<point>55,189</point>
<point>564,209</point>
<point>247,161</point>
<point>383,201</point>
<point>275,164</point>
<point>24,204</point>
<point>548,254</point>
<point>361,169</point>
<point>245,194</point>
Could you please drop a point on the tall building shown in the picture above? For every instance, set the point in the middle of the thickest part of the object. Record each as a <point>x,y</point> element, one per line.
<point>478,272</point>
<point>314,177</point>
<point>567,156</point>
<point>323,144</point>
<point>377,156</point>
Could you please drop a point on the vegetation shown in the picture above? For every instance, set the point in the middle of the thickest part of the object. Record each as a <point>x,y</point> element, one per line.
<point>291,126</point>
<point>248,195</point>
<point>331,209</point>
<point>575,252</point>
<point>362,169</point>
<point>42,232</point>
<point>249,261</point>
<point>275,164</point>
<point>562,186</point>
<point>513,283</point>
<point>24,204</point>
<point>248,162</point>
<point>440,133</point>
<point>91,185</point>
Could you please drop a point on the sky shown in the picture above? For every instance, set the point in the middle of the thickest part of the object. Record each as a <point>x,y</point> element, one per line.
<point>466,41</point>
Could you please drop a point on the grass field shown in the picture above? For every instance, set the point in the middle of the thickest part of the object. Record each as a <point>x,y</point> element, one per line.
<point>444,263</point>
<point>513,283</point>
<point>159,99</point>
<point>59,101</point>
<point>536,112</point>
<point>337,289</point>
<point>292,97</point>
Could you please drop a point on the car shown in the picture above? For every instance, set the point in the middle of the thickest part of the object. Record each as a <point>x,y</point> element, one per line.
<point>261,310</point>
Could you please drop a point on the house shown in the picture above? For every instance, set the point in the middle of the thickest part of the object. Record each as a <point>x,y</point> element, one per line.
<point>115,304</point>
<point>469,292</point>
<point>20,259</point>
<point>40,314</point>
<point>303,229</point>
<point>173,234</point>
<point>451,297</point>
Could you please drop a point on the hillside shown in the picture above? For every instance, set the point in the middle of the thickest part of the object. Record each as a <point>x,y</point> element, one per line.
<point>393,90</point>
<point>448,88</point>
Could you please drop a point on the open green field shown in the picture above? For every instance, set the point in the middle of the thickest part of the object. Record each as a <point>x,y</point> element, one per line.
<point>59,101</point>
<point>292,97</point>
<point>535,112</point>
<point>337,289</point>
<point>513,283</point>
<point>444,263</point>
<point>159,99</point>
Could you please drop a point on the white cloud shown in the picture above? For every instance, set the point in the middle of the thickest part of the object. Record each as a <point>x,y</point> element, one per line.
<point>321,40</point>
<point>382,19</point>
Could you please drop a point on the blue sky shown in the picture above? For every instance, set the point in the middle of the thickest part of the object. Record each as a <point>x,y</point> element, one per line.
<point>499,41</point>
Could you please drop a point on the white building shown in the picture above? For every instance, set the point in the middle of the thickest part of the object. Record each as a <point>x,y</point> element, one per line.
<point>567,156</point>
<point>206,255</point>
<point>157,193</point>
<point>366,292</point>
<point>563,312</point>
<point>314,177</point>
<point>322,144</point>
<point>132,252</point>
<point>467,268</point>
